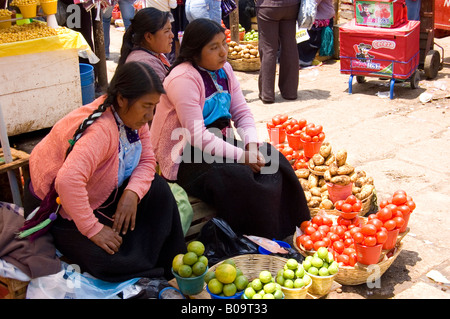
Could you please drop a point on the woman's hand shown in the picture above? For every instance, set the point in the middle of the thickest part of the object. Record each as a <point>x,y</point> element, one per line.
<point>125,216</point>
<point>107,239</point>
<point>253,158</point>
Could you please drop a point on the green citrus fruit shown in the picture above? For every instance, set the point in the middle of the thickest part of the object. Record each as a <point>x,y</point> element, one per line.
<point>230,262</point>
<point>177,262</point>
<point>215,286</point>
<point>196,247</point>
<point>190,258</point>
<point>229,289</point>
<point>265,276</point>
<point>185,271</point>
<point>198,268</point>
<point>241,282</point>
<point>209,275</point>
<point>203,259</point>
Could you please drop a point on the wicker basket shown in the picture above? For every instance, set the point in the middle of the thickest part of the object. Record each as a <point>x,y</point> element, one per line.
<point>16,289</point>
<point>254,43</point>
<point>246,65</point>
<point>359,274</point>
<point>367,203</point>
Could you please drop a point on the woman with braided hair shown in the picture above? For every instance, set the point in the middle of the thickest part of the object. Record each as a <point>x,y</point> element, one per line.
<point>118,219</point>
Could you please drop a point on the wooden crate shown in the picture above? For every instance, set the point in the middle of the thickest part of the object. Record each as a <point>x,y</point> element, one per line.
<point>20,167</point>
<point>12,288</point>
<point>202,214</point>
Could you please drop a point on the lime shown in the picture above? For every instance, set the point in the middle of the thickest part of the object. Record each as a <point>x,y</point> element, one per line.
<point>249,292</point>
<point>329,258</point>
<point>292,263</point>
<point>265,276</point>
<point>185,271</point>
<point>203,259</point>
<point>317,262</point>
<point>268,296</point>
<point>215,286</point>
<point>230,262</point>
<point>196,247</point>
<point>226,273</point>
<point>190,258</point>
<point>209,275</point>
<point>299,272</point>
<point>289,274</point>
<point>257,284</point>
<point>299,283</point>
<point>241,282</point>
<point>280,280</point>
<point>323,271</point>
<point>239,272</point>
<point>313,270</point>
<point>269,288</point>
<point>306,264</point>
<point>322,252</point>
<point>306,279</point>
<point>177,262</point>
<point>333,268</point>
<point>278,294</point>
<point>229,289</point>
<point>289,283</point>
<point>198,268</point>
<point>257,296</point>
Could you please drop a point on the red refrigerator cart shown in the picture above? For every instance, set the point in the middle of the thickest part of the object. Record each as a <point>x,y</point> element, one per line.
<point>391,53</point>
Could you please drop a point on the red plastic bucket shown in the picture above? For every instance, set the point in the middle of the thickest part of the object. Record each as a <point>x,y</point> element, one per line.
<point>406,218</point>
<point>295,142</point>
<point>311,148</point>
<point>391,239</point>
<point>338,192</point>
<point>276,135</point>
<point>368,255</point>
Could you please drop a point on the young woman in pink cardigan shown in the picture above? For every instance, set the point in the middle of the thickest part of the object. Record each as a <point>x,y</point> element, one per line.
<point>118,219</point>
<point>251,185</point>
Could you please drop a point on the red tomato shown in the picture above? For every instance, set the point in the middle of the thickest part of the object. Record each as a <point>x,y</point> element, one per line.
<point>334,237</point>
<point>302,123</point>
<point>321,136</point>
<point>311,130</point>
<point>399,199</point>
<point>399,191</point>
<point>383,203</point>
<point>317,219</point>
<point>338,246</point>
<point>384,214</point>
<point>404,209</point>
<point>308,245</point>
<point>343,259</point>
<point>316,236</point>
<point>358,238</point>
<point>369,230</point>
<point>283,118</point>
<point>355,230</point>
<point>315,138</point>
<point>348,242</point>
<point>310,230</point>
<point>376,222</point>
<point>340,230</point>
<point>338,204</point>
<point>318,244</point>
<point>346,208</point>
<point>276,120</point>
<point>411,204</point>
<point>344,222</point>
<point>352,259</point>
<point>327,221</point>
<point>305,137</point>
<point>348,251</point>
<point>351,199</point>
<point>324,229</point>
<point>381,237</point>
<point>356,207</point>
<point>390,224</point>
<point>327,241</point>
<point>399,221</point>
<point>370,241</point>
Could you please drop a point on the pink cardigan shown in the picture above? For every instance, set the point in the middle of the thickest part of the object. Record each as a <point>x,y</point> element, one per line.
<point>88,176</point>
<point>182,107</point>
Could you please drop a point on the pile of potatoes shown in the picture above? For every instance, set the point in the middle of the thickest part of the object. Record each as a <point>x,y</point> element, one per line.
<point>237,51</point>
<point>328,167</point>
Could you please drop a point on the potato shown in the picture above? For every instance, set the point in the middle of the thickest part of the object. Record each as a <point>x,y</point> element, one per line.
<point>353,176</point>
<point>253,52</point>
<point>360,182</point>
<point>327,176</point>
<point>321,168</point>
<point>330,159</point>
<point>311,164</point>
<point>302,173</point>
<point>325,150</point>
<point>365,192</point>
<point>333,168</point>
<point>326,204</point>
<point>313,181</point>
<point>325,195</point>
<point>322,182</point>
<point>315,191</point>
<point>314,202</point>
<point>345,169</point>
<point>318,159</point>
<point>308,196</point>
<point>323,188</point>
<point>355,190</point>
<point>341,157</point>
<point>304,183</point>
<point>341,180</point>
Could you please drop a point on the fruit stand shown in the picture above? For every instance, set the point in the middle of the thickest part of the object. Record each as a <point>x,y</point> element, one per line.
<point>39,65</point>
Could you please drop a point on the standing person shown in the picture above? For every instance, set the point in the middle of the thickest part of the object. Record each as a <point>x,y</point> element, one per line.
<point>118,220</point>
<point>148,39</point>
<point>208,9</point>
<point>307,50</point>
<point>251,185</point>
<point>178,25</point>
<point>413,9</point>
<point>127,12</point>
<point>276,27</point>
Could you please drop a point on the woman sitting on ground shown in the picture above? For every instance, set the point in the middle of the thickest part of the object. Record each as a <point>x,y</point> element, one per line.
<point>118,219</point>
<point>252,186</point>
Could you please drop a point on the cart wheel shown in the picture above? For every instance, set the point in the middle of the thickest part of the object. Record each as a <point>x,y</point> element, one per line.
<point>360,79</point>
<point>432,64</point>
<point>415,79</point>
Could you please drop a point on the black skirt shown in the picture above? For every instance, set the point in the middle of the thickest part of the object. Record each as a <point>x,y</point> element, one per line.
<point>268,205</point>
<point>147,251</point>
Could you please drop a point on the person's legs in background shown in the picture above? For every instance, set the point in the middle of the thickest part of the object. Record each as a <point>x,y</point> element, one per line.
<point>127,10</point>
<point>215,10</point>
<point>106,19</point>
<point>413,9</point>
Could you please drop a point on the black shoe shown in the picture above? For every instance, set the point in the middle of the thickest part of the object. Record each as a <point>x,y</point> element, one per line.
<point>266,101</point>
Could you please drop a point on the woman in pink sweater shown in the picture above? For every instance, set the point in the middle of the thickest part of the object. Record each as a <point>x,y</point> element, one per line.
<point>118,219</point>
<point>251,185</point>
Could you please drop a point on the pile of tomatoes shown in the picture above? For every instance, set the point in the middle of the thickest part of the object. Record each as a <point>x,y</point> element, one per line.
<point>340,237</point>
<point>312,133</point>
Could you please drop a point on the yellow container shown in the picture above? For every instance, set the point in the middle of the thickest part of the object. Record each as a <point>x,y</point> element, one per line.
<point>295,293</point>
<point>49,6</point>
<point>28,10</point>
<point>321,285</point>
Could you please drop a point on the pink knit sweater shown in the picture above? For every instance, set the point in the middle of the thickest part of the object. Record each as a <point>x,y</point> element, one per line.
<point>90,173</point>
<point>182,107</point>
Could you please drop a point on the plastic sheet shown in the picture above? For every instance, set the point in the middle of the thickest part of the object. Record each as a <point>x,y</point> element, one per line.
<point>307,14</point>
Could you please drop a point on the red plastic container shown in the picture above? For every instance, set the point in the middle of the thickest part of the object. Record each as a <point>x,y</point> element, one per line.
<point>295,141</point>
<point>276,135</point>
<point>311,148</point>
<point>406,218</point>
<point>338,192</point>
<point>391,239</point>
<point>368,255</point>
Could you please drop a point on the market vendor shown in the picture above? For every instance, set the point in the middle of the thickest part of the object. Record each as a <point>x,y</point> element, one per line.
<point>118,219</point>
<point>148,39</point>
<point>250,184</point>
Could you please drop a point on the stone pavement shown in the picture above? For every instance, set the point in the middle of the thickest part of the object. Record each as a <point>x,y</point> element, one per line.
<point>402,143</point>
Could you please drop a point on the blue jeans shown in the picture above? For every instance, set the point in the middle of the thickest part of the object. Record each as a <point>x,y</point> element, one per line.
<point>127,11</point>
<point>209,9</point>
<point>413,9</point>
